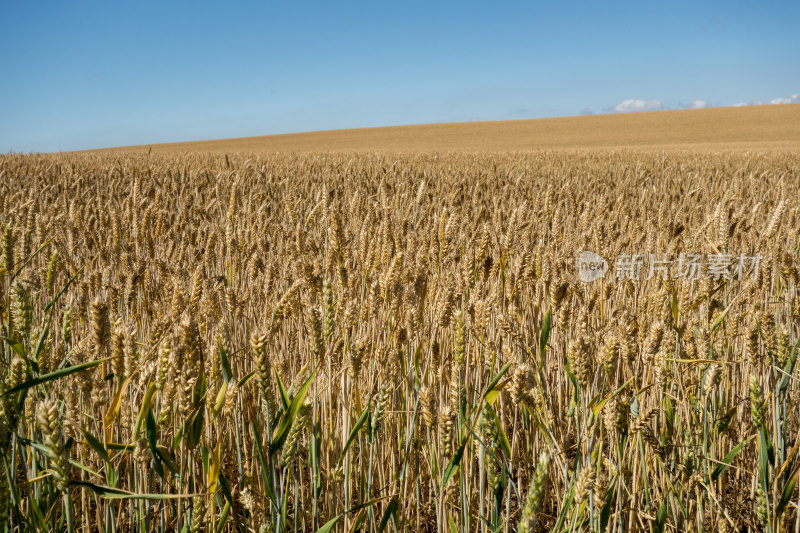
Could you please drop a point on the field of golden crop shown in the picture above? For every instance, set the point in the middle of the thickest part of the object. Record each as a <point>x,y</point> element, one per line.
<point>367,342</point>
<point>762,128</point>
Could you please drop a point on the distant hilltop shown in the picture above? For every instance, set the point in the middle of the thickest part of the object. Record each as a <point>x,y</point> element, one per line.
<point>763,127</point>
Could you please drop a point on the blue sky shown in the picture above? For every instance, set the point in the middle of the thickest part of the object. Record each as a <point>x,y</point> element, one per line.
<point>94,74</point>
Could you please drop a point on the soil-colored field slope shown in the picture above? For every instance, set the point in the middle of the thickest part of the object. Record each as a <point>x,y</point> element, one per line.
<point>764,127</point>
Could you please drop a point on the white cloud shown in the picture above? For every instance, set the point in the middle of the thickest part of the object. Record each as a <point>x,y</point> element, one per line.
<point>638,104</point>
<point>794,99</point>
<point>634,105</point>
<point>751,102</point>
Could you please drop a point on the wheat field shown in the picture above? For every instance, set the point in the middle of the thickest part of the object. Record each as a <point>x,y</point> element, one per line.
<point>764,128</point>
<point>363,341</point>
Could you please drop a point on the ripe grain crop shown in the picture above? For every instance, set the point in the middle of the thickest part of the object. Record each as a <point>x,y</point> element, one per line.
<point>342,342</point>
<point>766,128</point>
